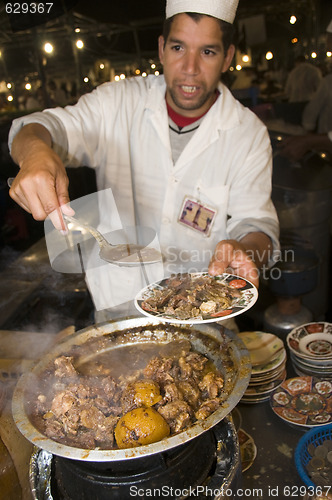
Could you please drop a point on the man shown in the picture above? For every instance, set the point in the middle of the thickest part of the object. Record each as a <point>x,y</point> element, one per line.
<point>302,81</point>
<point>162,144</point>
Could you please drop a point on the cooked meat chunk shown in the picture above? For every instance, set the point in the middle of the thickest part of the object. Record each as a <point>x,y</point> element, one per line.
<point>196,360</point>
<point>91,417</point>
<point>186,368</point>
<point>54,429</point>
<point>64,367</point>
<point>177,414</point>
<point>159,370</point>
<point>62,403</point>
<point>172,392</point>
<point>190,391</point>
<point>207,408</point>
<point>212,383</point>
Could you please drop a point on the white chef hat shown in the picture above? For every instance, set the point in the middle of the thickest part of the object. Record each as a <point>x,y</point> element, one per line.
<point>221,9</point>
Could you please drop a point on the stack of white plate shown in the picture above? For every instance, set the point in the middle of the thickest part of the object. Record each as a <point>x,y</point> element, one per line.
<point>310,347</point>
<point>268,359</point>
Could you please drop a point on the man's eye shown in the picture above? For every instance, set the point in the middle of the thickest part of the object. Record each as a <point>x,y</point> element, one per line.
<point>176,47</point>
<point>208,52</point>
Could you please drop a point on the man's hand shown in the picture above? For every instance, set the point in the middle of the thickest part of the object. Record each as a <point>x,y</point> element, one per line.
<point>230,256</point>
<point>242,257</point>
<point>296,147</point>
<point>41,186</point>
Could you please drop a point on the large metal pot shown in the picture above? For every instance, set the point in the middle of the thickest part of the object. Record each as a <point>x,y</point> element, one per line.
<point>295,274</point>
<point>223,347</point>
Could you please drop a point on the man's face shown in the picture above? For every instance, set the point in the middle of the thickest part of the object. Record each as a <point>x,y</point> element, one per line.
<point>193,60</point>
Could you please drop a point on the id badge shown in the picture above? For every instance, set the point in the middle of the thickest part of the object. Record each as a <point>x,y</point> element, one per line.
<point>197,216</point>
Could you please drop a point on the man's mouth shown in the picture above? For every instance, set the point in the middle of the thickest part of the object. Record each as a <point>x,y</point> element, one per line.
<point>189,89</point>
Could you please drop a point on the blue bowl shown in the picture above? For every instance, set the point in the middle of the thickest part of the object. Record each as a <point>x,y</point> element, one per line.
<point>316,436</point>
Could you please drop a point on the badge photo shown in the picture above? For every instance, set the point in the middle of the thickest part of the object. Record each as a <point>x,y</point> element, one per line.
<point>197,216</point>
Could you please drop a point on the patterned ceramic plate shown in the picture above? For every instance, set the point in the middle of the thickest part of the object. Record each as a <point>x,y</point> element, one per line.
<point>303,401</point>
<point>248,449</point>
<point>311,340</point>
<point>265,380</point>
<point>264,348</point>
<point>246,292</point>
<point>257,390</point>
<point>271,365</point>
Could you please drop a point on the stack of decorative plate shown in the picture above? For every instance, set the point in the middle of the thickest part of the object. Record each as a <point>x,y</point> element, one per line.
<point>268,359</point>
<point>303,402</point>
<point>310,347</point>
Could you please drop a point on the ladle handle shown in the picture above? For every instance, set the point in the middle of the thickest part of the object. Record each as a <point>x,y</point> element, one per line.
<point>96,234</point>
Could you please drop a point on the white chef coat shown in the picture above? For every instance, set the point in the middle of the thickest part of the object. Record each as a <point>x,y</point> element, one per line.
<point>302,82</point>
<point>121,130</point>
<point>317,115</point>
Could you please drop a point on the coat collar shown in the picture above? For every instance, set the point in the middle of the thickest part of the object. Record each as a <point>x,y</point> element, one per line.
<point>223,113</point>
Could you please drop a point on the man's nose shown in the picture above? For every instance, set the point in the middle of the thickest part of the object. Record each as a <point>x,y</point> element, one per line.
<point>191,63</point>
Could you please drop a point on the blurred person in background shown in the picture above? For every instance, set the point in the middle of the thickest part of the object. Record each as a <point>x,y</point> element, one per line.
<point>316,119</point>
<point>317,115</point>
<point>302,81</point>
<point>57,95</point>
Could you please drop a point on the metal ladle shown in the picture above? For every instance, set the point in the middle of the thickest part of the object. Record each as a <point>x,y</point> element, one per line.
<point>124,254</point>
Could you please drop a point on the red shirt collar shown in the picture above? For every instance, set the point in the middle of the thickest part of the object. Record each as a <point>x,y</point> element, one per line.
<point>183,121</point>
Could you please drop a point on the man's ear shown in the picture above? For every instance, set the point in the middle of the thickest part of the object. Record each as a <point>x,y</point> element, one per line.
<point>161,44</point>
<point>229,58</point>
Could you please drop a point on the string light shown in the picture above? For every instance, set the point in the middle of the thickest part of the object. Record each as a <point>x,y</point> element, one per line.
<point>268,56</point>
<point>313,55</point>
<point>48,48</point>
<point>79,44</point>
<point>292,19</point>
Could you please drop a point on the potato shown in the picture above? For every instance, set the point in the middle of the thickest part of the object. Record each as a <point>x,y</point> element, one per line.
<point>146,393</point>
<point>139,427</point>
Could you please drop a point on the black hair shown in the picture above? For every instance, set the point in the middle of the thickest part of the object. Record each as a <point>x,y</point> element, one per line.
<point>227,29</point>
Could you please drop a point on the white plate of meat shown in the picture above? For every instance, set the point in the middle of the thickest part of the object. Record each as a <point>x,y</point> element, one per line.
<point>193,298</point>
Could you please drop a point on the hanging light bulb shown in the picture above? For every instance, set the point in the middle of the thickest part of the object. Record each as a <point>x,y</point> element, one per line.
<point>48,48</point>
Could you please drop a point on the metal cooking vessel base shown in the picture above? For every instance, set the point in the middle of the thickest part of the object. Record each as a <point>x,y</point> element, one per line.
<point>211,460</point>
